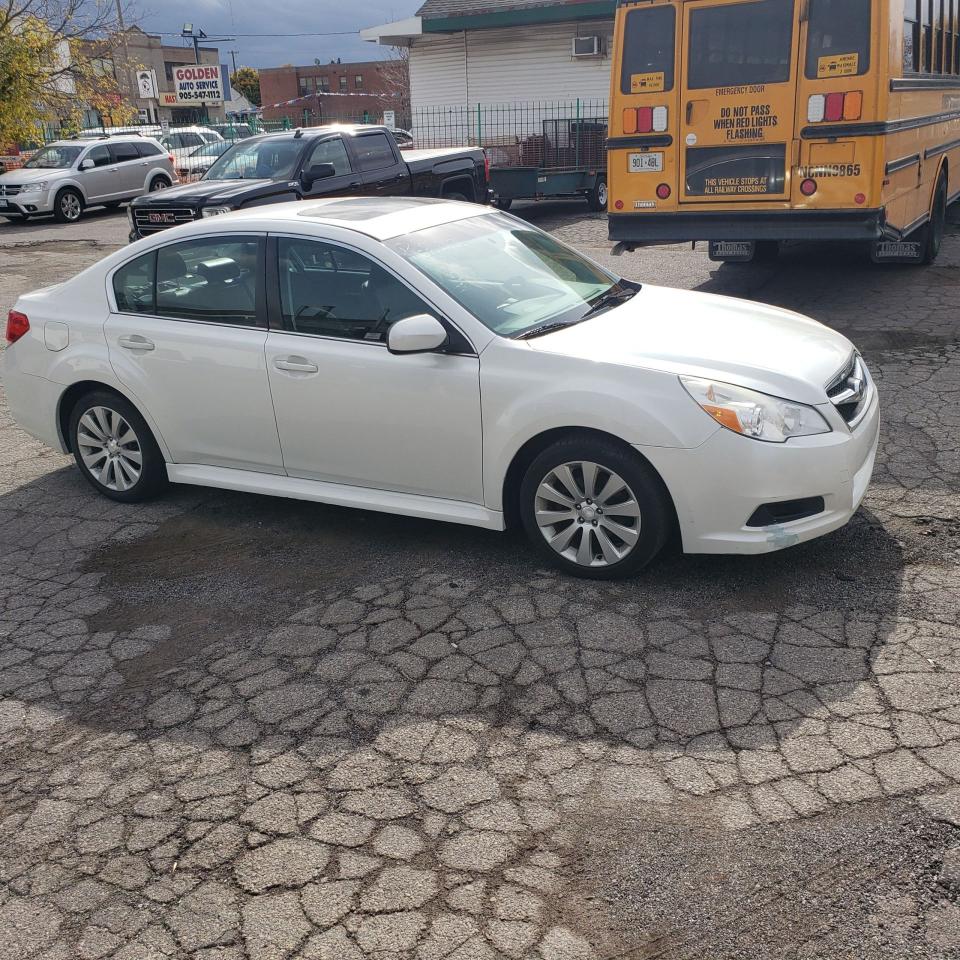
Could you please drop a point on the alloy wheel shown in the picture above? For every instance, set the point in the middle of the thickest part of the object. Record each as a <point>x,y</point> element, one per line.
<point>158,184</point>
<point>109,448</point>
<point>70,206</point>
<point>588,514</point>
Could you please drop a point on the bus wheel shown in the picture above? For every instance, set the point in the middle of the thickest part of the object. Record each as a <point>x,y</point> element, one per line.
<point>938,218</point>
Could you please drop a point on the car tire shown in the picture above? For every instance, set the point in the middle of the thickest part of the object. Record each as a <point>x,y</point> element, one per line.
<point>159,183</point>
<point>597,197</point>
<point>612,513</point>
<point>457,195</point>
<point>503,203</point>
<point>934,230</point>
<point>112,468</point>
<point>68,206</point>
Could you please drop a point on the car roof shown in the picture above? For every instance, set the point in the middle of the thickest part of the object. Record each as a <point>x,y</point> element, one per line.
<point>304,133</point>
<point>382,218</point>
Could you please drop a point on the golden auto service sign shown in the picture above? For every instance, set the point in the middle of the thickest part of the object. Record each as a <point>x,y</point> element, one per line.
<point>202,83</point>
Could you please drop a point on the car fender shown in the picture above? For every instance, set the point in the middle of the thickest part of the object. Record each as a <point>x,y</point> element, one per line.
<point>89,361</point>
<point>74,182</point>
<point>641,408</point>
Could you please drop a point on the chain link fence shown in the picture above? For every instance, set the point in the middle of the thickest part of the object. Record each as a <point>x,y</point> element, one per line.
<point>561,135</point>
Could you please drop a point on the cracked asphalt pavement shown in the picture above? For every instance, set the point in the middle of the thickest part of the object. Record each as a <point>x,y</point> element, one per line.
<point>241,728</point>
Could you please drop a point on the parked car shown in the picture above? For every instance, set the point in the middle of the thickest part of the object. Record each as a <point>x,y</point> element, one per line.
<point>404,138</point>
<point>233,131</point>
<point>66,177</point>
<point>448,361</point>
<point>179,138</point>
<point>317,162</point>
<point>200,160</point>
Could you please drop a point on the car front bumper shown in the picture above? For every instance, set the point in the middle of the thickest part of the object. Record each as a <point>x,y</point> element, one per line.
<point>27,204</point>
<point>717,486</point>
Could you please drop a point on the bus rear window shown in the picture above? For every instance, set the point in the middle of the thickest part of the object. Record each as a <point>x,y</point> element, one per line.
<point>649,39</point>
<point>741,43</point>
<point>838,39</point>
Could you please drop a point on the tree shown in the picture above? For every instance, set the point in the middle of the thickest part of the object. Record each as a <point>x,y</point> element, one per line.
<point>56,57</point>
<point>246,80</point>
<point>395,83</point>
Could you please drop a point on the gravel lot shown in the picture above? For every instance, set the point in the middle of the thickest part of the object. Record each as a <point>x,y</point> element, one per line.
<point>238,727</point>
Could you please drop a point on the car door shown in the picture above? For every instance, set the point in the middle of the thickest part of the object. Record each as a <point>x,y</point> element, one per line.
<point>99,181</point>
<point>186,336</point>
<point>348,410</point>
<point>384,172</point>
<point>345,180</point>
<point>129,166</point>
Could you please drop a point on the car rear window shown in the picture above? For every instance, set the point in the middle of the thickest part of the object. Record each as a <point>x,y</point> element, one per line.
<point>838,39</point>
<point>740,43</point>
<point>649,40</point>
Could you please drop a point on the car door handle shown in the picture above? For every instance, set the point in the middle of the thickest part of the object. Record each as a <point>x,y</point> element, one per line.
<point>136,342</point>
<point>295,365</point>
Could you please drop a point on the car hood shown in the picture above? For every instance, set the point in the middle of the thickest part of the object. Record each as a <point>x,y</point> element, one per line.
<point>203,191</point>
<point>734,341</point>
<point>21,175</point>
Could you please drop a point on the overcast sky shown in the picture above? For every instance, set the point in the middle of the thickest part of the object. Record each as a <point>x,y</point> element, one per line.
<point>234,18</point>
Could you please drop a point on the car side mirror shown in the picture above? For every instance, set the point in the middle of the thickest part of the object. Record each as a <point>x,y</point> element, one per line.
<point>319,171</point>
<point>86,164</point>
<point>420,333</point>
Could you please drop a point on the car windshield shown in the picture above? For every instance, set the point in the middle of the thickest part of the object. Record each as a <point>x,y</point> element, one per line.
<point>54,158</point>
<point>262,160</point>
<point>211,149</point>
<point>512,277</point>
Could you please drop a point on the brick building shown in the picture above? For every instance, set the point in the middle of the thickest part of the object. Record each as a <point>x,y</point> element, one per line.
<point>316,93</point>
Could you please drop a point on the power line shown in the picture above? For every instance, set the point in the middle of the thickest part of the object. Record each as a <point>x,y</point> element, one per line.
<point>335,33</point>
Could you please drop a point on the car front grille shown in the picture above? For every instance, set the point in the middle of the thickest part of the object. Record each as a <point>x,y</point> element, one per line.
<point>9,189</point>
<point>850,391</point>
<point>154,220</point>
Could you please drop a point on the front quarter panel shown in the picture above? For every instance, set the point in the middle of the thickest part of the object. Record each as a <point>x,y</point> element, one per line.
<point>526,392</point>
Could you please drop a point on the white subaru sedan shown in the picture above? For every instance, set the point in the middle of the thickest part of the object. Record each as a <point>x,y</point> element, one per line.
<point>448,361</point>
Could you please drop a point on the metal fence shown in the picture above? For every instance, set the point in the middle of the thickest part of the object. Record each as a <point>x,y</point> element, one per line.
<point>551,135</point>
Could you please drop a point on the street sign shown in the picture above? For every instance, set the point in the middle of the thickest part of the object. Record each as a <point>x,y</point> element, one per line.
<point>146,85</point>
<point>196,84</point>
<point>389,118</point>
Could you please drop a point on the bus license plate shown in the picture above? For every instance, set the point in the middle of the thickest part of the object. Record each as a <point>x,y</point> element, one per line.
<point>646,162</point>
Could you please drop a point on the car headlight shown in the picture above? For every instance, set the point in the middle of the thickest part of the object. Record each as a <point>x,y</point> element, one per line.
<point>36,187</point>
<point>215,211</point>
<point>753,414</point>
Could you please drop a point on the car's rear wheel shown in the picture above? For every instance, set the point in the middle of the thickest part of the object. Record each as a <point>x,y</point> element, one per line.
<point>68,206</point>
<point>503,203</point>
<point>159,183</point>
<point>114,448</point>
<point>597,197</point>
<point>594,509</point>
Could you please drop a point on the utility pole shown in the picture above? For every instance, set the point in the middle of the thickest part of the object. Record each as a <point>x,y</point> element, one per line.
<point>233,58</point>
<point>125,88</point>
<point>196,35</point>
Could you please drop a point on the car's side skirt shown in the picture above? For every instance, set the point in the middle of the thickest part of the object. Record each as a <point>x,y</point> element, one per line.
<point>337,494</point>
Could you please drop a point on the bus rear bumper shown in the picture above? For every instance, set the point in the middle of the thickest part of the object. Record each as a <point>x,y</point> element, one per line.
<point>646,228</point>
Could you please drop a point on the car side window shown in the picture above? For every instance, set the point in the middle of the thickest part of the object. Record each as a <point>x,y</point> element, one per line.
<point>330,151</point>
<point>373,151</point>
<point>148,150</point>
<point>124,152</point>
<point>331,291</point>
<point>133,285</point>
<point>191,139</point>
<point>213,280</point>
<point>100,156</point>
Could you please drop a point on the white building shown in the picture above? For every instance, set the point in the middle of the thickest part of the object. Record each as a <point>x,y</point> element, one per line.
<point>475,62</point>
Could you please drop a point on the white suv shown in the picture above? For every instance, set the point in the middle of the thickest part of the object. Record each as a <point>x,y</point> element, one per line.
<point>65,177</point>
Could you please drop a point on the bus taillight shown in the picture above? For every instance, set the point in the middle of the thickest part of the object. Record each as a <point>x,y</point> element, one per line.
<point>808,188</point>
<point>832,107</point>
<point>645,120</point>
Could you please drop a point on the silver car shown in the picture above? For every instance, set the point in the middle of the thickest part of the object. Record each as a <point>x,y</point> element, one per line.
<point>66,177</point>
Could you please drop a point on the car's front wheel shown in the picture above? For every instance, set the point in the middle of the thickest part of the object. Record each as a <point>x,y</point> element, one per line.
<point>68,206</point>
<point>595,509</point>
<point>114,448</point>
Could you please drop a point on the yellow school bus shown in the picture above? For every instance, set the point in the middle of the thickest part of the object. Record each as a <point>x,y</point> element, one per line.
<point>750,122</point>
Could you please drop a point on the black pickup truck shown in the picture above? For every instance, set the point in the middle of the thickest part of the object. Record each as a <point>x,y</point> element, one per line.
<point>314,162</point>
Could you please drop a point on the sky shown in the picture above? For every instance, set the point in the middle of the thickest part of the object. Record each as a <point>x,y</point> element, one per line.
<point>234,18</point>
